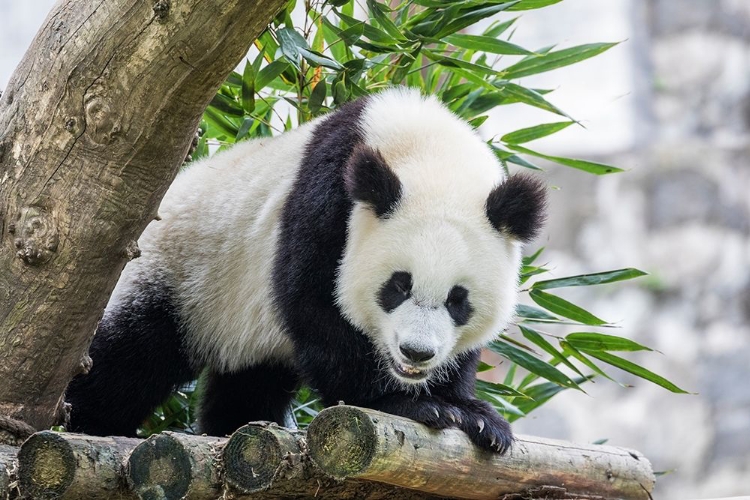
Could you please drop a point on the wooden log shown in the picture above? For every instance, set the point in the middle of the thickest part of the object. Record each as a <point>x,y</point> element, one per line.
<point>173,466</point>
<point>65,465</point>
<point>7,466</point>
<point>255,454</point>
<point>350,442</point>
<point>270,462</point>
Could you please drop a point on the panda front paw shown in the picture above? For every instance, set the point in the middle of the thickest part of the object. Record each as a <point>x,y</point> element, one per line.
<point>486,427</point>
<point>479,420</point>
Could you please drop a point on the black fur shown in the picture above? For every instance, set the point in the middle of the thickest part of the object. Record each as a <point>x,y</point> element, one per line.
<point>332,356</point>
<point>395,291</point>
<point>138,362</point>
<point>458,305</point>
<point>369,179</point>
<point>230,400</point>
<point>518,206</point>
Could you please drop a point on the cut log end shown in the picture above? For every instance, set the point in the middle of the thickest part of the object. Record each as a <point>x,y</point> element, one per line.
<point>253,455</point>
<point>159,468</point>
<point>342,442</point>
<point>46,465</point>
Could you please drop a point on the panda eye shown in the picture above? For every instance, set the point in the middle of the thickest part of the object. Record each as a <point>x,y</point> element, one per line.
<point>458,305</point>
<point>395,291</point>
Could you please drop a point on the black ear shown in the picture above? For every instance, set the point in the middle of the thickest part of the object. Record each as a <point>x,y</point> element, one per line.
<point>518,206</point>
<point>369,179</point>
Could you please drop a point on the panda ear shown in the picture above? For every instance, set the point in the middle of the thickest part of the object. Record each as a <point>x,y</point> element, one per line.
<point>518,207</point>
<point>368,179</point>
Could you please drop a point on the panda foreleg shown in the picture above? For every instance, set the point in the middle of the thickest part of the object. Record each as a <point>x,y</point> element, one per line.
<point>260,392</point>
<point>452,403</point>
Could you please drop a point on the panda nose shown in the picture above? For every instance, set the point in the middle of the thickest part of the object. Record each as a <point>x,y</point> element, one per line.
<point>416,354</point>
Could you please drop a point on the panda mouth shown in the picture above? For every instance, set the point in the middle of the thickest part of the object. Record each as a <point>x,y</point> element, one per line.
<point>408,372</point>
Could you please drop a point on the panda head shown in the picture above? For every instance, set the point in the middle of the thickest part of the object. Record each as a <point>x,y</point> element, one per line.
<point>430,268</point>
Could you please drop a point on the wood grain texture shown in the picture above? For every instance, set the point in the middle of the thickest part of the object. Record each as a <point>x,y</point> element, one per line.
<point>350,442</point>
<point>94,124</point>
<point>74,466</point>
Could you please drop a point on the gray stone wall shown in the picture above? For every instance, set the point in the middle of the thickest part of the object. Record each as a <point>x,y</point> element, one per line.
<point>681,213</point>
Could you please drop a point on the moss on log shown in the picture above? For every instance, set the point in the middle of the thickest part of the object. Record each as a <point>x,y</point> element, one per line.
<point>350,442</point>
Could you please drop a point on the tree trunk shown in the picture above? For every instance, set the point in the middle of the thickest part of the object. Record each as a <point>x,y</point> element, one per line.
<point>93,127</point>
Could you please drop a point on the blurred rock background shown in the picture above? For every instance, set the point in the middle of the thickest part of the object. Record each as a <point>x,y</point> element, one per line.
<point>671,104</point>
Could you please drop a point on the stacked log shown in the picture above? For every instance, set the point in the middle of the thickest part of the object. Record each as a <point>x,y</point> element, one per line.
<point>347,452</point>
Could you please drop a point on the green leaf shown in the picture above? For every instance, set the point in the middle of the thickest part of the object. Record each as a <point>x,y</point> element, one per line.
<point>469,16</point>
<point>533,133</point>
<point>532,363</point>
<point>588,341</point>
<point>216,119</point>
<point>590,279</point>
<point>478,121</point>
<point>317,59</point>
<point>564,308</point>
<point>636,370</point>
<point>524,311</point>
<point>541,393</point>
<point>499,389</point>
<point>527,261</point>
<point>226,105</point>
<point>340,93</point>
<point>540,341</point>
<point>516,93</point>
<point>586,166</point>
<point>533,4</point>
<point>370,31</point>
<point>317,96</point>
<point>270,73</point>
<point>486,44</point>
<point>448,61</point>
<point>554,60</point>
<point>248,88</point>
<point>378,11</point>
<point>291,42</point>
<point>484,367</point>
<point>569,350</point>
<point>497,28</point>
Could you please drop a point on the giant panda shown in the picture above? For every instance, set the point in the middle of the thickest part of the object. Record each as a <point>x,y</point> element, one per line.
<point>369,254</point>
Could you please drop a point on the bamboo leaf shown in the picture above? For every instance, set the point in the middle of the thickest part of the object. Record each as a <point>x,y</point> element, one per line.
<point>590,279</point>
<point>486,44</point>
<point>587,341</point>
<point>532,133</point>
<point>532,363</point>
<point>564,308</point>
<point>554,60</point>
<point>636,370</point>
<point>248,88</point>
<point>540,341</point>
<point>586,166</point>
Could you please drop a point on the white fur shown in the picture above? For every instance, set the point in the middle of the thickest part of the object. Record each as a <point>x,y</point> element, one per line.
<point>215,242</point>
<point>217,239</point>
<point>439,233</point>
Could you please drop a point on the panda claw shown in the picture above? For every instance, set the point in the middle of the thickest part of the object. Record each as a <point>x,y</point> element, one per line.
<point>437,413</point>
<point>480,424</point>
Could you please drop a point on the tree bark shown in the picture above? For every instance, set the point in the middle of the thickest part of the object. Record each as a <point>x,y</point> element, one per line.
<point>93,127</point>
<point>349,442</point>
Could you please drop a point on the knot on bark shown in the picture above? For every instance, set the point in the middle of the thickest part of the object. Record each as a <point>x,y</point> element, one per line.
<point>161,9</point>
<point>101,123</point>
<point>37,236</point>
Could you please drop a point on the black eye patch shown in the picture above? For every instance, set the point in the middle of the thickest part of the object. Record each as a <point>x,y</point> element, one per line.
<point>458,305</point>
<point>395,291</point>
